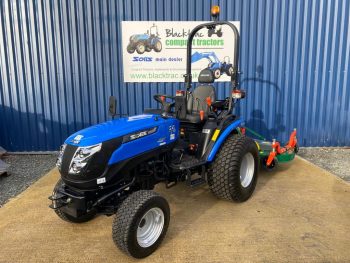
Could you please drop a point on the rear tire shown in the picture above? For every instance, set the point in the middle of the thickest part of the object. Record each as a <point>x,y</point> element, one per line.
<point>64,216</point>
<point>141,223</point>
<point>229,71</point>
<point>234,172</point>
<point>157,46</point>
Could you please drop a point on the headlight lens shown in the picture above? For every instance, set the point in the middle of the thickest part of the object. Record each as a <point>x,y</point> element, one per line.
<point>82,156</point>
<point>60,155</point>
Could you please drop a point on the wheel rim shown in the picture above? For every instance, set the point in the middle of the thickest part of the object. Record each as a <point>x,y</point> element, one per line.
<point>158,46</point>
<point>141,48</point>
<point>246,172</point>
<point>150,227</point>
<point>230,71</point>
<point>217,73</point>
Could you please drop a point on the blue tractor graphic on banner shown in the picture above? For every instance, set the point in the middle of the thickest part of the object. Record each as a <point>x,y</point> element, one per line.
<point>145,42</point>
<point>215,65</point>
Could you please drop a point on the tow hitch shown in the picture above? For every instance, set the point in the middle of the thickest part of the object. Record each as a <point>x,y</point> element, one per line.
<point>59,200</point>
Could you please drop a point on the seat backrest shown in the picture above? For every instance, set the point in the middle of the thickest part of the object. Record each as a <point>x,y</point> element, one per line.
<point>197,101</point>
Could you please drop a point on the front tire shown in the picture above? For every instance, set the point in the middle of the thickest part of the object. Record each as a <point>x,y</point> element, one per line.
<point>217,73</point>
<point>141,223</point>
<point>66,217</point>
<point>234,172</point>
<point>140,48</point>
<point>130,49</point>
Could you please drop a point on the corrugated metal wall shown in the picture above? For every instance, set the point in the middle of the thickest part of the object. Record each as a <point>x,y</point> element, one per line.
<point>60,60</point>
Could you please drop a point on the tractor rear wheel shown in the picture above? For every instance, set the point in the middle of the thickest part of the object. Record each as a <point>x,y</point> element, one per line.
<point>234,172</point>
<point>141,223</point>
<point>157,46</point>
<point>229,71</point>
<point>140,48</point>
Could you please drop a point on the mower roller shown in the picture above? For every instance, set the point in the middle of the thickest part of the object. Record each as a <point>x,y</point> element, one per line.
<point>112,168</point>
<point>272,153</point>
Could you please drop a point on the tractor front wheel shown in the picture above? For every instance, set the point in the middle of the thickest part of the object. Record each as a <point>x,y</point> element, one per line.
<point>130,49</point>
<point>140,48</point>
<point>234,172</point>
<point>141,223</point>
<point>217,73</point>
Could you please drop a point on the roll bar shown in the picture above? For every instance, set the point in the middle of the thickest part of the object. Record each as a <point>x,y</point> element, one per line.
<point>211,25</point>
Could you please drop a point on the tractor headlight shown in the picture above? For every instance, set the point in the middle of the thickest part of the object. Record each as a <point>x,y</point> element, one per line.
<point>82,156</point>
<point>60,155</point>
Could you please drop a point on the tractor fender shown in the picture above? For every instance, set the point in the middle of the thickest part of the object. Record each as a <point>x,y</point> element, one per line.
<point>222,137</point>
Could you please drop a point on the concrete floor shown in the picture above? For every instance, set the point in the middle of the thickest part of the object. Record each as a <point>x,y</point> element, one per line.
<point>300,213</point>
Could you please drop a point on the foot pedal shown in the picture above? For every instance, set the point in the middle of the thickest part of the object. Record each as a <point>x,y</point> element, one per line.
<point>197,182</point>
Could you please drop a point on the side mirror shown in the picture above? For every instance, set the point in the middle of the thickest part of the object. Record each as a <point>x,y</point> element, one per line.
<point>112,109</point>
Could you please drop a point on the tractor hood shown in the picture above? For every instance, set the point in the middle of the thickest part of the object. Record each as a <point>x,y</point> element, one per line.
<point>139,37</point>
<point>113,129</point>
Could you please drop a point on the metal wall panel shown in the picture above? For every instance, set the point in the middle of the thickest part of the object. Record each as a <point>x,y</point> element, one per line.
<point>60,60</point>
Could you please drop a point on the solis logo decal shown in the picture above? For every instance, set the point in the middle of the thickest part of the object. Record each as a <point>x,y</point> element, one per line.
<point>142,59</point>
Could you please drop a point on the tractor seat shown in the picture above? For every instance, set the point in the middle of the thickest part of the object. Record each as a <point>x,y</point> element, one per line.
<point>197,100</point>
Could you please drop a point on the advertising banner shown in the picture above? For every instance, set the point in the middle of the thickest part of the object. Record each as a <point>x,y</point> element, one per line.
<point>155,51</point>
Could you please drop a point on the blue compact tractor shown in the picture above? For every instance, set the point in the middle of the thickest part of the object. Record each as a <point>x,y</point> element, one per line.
<point>145,42</point>
<point>112,168</point>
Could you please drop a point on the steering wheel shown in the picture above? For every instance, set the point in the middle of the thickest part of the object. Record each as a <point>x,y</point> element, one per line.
<point>161,98</point>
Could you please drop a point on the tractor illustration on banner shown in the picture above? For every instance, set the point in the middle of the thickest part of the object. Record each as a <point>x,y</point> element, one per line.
<point>217,32</point>
<point>215,65</point>
<point>145,42</point>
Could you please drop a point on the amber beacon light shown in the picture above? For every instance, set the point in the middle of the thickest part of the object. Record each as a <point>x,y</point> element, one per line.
<point>215,10</point>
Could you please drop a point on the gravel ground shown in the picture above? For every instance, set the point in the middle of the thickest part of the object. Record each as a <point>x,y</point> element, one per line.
<point>334,160</point>
<point>24,170</point>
